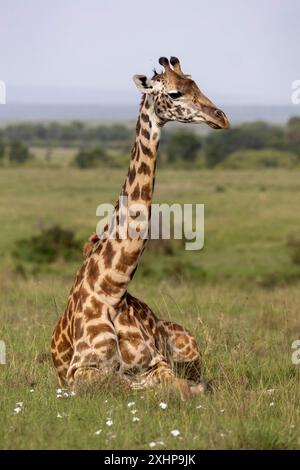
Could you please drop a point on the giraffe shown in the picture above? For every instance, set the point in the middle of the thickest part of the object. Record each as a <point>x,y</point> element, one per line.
<point>104,329</point>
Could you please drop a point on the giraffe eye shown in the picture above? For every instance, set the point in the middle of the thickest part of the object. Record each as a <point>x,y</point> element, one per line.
<point>175,95</point>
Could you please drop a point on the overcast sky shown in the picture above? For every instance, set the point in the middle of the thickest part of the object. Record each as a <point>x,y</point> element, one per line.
<point>87,50</point>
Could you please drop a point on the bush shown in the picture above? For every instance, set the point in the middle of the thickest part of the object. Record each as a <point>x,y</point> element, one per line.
<point>253,159</point>
<point>50,245</point>
<point>183,147</point>
<point>18,152</point>
<point>256,135</point>
<point>91,158</point>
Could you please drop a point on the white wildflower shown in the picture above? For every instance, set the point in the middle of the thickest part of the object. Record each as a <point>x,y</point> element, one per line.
<point>98,432</point>
<point>133,412</point>
<point>19,407</point>
<point>175,432</point>
<point>272,403</point>
<point>135,419</point>
<point>152,444</point>
<point>109,422</point>
<point>130,404</point>
<point>163,405</point>
<point>161,443</point>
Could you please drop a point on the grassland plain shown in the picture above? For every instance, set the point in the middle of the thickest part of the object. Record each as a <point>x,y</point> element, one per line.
<point>240,296</point>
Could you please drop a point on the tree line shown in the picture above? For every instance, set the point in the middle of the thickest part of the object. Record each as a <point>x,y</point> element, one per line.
<point>251,145</point>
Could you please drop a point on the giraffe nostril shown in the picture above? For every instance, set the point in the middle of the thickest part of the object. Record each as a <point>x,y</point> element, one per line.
<point>219,113</point>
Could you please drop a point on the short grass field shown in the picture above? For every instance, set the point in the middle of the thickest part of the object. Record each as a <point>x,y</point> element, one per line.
<point>240,296</point>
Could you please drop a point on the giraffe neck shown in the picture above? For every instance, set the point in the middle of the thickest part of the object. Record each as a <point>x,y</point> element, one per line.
<point>139,183</point>
<point>121,256</point>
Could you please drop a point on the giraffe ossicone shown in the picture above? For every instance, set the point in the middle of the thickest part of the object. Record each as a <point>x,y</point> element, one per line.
<point>104,329</point>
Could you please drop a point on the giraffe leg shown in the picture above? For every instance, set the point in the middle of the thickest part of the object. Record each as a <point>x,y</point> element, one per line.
<point>183,353</point>
<point>140,347</point>
<point>61,351</point>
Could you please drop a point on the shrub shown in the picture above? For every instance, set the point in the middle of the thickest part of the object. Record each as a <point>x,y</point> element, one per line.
<point>18,152</point>
<point>91,158</point>
<point>183,147</point>
<point>50,245</point>
<point>266,158</point>
<point>256,135</point>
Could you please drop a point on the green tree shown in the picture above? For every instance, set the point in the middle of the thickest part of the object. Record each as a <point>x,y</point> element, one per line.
<point>256,135</point>
<point>18,152</point>
<point>91,158</point>
<point>183,147</point>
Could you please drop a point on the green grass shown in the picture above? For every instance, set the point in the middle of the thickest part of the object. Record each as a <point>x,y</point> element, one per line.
<point>240,296</point>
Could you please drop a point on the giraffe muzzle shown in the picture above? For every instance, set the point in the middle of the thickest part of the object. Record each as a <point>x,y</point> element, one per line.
<point>220,120</point>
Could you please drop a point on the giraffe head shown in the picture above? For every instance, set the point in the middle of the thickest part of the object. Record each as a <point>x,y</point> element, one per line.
<point>176,97</point>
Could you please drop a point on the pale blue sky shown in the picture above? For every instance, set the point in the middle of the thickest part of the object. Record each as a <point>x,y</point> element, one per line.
<point>88,50</point>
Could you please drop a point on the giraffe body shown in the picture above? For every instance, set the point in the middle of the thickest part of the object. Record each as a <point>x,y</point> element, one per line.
<point>104,329</point>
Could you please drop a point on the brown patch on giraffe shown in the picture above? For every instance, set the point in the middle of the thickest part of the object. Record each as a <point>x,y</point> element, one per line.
<point>67,356</point>
<point>94,310</point>
<point>108,254</point>
<point>110,286</point>
<point>78,328</point>
<point>144,169</point>
<point>70,310</point>
<point>146,192</point>
<point>126,355</point>
<point>131,175</point>
<point>63,344</point>
<point>127,259</point>
<point>145,133</point>
<point>83,294</point>
<point>146,150</point>
<point>145,117</point>
<point>93,273</point>
<point>64,322</point>
<point>151,323</point>
<point>136,192</point>
<point>82,346</point>
<point>95,330</point>
<point>56,361</point>
<point>108,343</point>
<point>138,126</point>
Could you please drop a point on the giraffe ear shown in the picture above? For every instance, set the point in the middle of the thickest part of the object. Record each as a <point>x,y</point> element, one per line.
<point>143,83</point>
